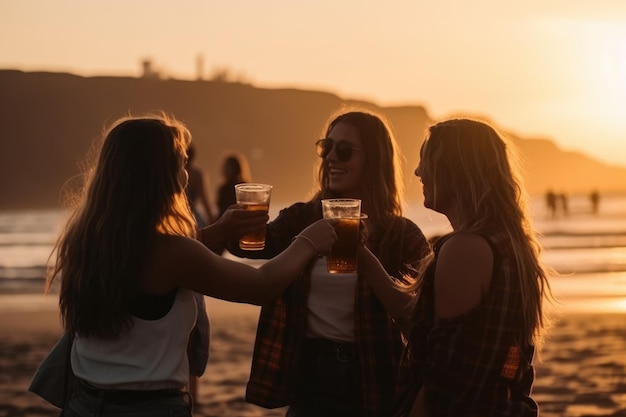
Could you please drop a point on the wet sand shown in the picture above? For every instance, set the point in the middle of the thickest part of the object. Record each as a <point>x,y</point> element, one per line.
<point>581,372</point>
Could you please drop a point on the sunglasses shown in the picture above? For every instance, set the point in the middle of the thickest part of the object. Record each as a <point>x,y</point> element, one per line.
<point>343,149</point>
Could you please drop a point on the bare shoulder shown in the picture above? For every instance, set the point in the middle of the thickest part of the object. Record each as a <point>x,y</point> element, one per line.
<point>466,245</point>
<point>463,273</point>
<point>173,256</point>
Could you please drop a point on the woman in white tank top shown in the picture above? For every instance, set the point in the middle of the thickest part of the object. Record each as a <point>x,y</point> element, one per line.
<point>129,263</point>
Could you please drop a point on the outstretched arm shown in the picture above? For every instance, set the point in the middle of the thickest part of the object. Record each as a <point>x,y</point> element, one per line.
<point>202,271</point>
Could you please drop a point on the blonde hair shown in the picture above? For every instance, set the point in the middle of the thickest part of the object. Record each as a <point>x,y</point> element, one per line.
<point>135,191</point>
<point>479,168</point>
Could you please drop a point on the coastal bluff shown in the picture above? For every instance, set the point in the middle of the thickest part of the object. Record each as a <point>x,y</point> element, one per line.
<point>49,121</point>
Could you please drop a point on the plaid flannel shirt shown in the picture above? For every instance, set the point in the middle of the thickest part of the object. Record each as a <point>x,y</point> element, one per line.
<point>470,365</point>
<point>282,323</point>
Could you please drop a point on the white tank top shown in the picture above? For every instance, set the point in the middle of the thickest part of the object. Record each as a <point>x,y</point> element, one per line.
<point>331,304</point>
<point>152,355</point>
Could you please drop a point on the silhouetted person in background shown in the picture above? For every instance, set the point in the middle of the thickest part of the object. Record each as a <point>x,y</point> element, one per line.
<point>196,191</point>
<point>594,197</point>
<point>564,204</point>
<point>551,203</point>
<point>235,170</point>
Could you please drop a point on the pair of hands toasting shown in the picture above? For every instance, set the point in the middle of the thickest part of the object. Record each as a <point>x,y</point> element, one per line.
<point>237,222</point>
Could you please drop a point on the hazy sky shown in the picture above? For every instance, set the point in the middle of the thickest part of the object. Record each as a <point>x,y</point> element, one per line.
<point>541,68</point>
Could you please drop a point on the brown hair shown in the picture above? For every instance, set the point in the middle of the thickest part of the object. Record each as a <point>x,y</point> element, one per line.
<point>134,192</point>
<point>382,185</point>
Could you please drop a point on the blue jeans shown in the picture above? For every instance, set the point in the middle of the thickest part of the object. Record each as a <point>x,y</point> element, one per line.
<point>86,403</point>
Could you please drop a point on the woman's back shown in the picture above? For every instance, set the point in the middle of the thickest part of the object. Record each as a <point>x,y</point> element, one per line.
<point>152,354</point>
<point>129,265</point>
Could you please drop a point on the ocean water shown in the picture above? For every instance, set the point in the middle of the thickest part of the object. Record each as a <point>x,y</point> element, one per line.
<point>588,250</point>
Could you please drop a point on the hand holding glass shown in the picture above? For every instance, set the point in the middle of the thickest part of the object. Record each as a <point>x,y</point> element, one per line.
<point>343,255</point>
<point>253,197</point>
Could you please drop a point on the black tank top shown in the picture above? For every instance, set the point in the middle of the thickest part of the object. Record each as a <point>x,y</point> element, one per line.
<point>152,307</point>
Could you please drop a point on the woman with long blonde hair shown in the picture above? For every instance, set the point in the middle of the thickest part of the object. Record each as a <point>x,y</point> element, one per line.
<point>476,313</point>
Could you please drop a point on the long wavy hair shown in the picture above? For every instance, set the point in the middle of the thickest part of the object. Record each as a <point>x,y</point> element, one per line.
<point>479,168</point>
<point>134,192</point>
<point>382,184</point>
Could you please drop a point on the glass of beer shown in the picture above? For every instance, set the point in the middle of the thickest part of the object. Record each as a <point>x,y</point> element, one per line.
<point>343,254</point>
<point>253,197</point>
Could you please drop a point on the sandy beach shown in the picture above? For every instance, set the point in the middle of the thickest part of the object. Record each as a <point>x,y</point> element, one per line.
<point>581,372</point>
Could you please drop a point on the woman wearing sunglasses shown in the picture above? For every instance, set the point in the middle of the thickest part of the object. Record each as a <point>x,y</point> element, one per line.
<point>326,346</point>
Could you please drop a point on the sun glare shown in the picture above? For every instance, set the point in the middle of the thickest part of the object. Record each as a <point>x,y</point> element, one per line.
<point>621,305</point>
<point>613,64</point>
<point>606,72</point>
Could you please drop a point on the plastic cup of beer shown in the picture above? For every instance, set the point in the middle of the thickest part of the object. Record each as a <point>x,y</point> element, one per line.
<point>343,255</point>
<point>253,197</point>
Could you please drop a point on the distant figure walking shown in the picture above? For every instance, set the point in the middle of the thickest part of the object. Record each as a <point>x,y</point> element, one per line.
<point>196,191</point>
<point>235,170</point>
<point>594,197</point>
<point>564,204</point>
<point>551,203</point>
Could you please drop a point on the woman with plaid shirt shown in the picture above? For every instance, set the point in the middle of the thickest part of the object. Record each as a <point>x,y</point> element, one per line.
<point>478,315</point>
<point>326,346</point>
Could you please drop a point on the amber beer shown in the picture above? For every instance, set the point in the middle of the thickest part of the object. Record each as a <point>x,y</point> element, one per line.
<point>253,197</point>
<point>342,258</point>
<point>254,241</point>
<point>343,255</point>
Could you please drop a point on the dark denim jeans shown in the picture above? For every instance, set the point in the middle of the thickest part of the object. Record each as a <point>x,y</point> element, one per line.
<point>85,403</point>
<point>330,381</point>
